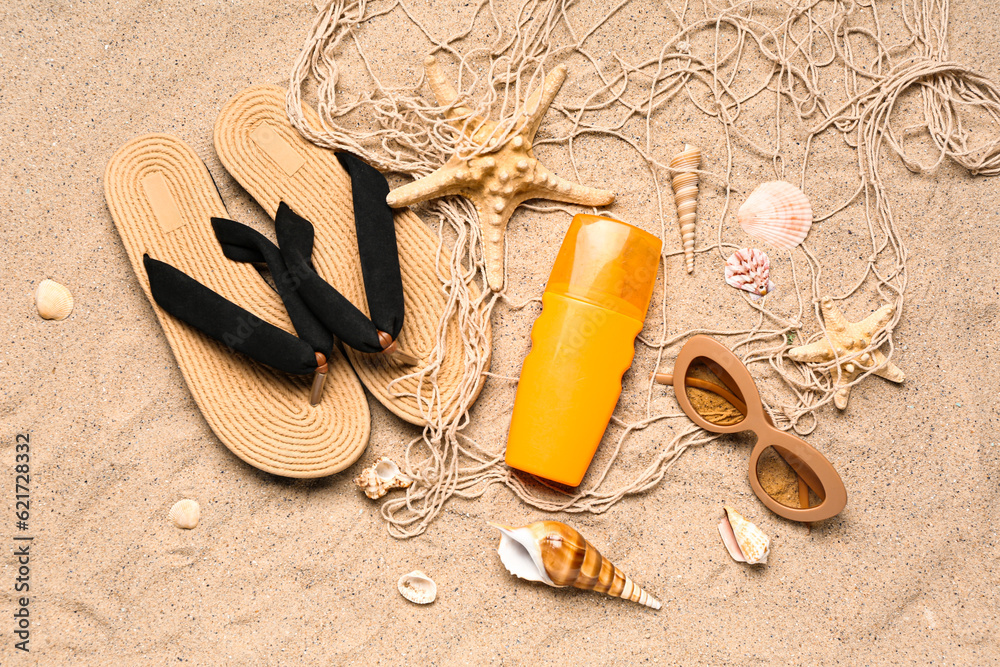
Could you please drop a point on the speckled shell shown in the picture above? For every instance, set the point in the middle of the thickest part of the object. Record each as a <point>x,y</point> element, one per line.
<point>558,555</point>
<point>53,300</point>
<point>417,587</point>
<point>383,475</point>
<point>685,184</point>
<point>185,514</point>
<point>749,269</point>
<point>777,213</point>
<point>746,542</point>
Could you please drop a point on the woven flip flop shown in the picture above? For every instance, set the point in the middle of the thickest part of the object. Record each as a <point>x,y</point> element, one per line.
<point>259,147</point>
<point>162,199</point>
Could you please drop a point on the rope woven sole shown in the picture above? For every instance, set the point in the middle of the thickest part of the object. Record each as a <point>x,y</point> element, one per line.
<point>259,147</point>
<point>161,197</point>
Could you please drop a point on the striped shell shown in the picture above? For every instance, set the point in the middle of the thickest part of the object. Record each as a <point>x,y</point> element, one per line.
<point>777,213</point>
<point>685,184</point>
<point>749,269</point>
<point>745,542</point>
<point>556,554</point>
<point>185,514</point>
<point>53,300</point>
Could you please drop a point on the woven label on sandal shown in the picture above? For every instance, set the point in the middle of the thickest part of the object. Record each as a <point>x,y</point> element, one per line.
<point>277,148</point>
<point>162,202</point>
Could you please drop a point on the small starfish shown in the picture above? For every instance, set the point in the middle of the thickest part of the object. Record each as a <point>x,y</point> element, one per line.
<point>848,338</point>
<point>497,181</point>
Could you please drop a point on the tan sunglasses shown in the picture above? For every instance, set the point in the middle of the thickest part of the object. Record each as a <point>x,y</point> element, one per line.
<point>718,393</point>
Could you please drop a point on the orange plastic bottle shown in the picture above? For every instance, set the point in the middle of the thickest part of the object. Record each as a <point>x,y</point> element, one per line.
<point>581,345</point>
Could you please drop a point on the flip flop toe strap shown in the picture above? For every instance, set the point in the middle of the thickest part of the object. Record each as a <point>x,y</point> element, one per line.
<point>244,244</point>
<point>377,249</point>
<point>317,310</point>
<point>189,301</point>
<point>379,258</point>
<point>295,239</point>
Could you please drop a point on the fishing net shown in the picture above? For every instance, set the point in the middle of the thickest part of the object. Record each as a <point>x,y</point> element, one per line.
<point>777,79</point>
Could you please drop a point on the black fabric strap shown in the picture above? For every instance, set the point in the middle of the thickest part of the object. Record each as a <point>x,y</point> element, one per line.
<point>189,301</point>
<point>295,239</point>
<point>243,244</point>
<point>376,244</point>
<point>377,250</point>
<point>317,310</point>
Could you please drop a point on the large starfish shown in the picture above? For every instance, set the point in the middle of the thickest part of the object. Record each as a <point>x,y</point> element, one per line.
<point>503,176</point>
<point>847,339</point>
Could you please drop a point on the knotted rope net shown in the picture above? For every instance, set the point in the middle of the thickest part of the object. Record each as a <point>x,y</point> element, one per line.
<point>797,48</point>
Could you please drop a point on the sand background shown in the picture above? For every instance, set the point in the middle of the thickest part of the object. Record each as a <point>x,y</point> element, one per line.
<point>303,572</point>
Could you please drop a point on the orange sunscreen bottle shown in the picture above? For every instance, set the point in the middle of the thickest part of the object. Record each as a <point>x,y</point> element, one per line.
<point>581,345</point>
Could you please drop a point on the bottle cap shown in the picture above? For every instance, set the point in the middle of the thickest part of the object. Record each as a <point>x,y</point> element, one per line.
<point>607,263</point>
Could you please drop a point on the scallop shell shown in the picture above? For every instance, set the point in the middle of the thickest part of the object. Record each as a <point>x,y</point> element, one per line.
<point>778,213</point>
<point>685,183</point>
<point>417,587</point>
<point>53,300</point>
<point>556,554</point>
<point>185,514</point>
<point>749,269</point>
<point>383,475</point>
<point>746,542</point>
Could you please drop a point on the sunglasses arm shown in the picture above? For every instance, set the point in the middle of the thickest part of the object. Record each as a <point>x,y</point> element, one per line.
<point>666,378</point>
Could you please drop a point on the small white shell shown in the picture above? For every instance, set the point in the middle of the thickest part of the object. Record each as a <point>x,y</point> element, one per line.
<point>53,300</point>
<point>749,269</point>
<point>377,479</point>
<point>417,587</point>
<point>778,213</point>
<point>746,542</point>
<point>185,514</point>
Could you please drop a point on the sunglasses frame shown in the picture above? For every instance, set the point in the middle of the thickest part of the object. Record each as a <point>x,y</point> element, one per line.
<point>814,468</point>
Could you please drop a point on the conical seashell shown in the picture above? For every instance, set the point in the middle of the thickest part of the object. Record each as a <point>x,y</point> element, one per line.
<point>185,514</point>
<point>749,269</point>
<point>53,300</point>
<point>778,213</point>
<point>556,554</point>
<point>383,475</point>
<point>685,184</point>
<point>417,587</point>
<point>746,542</point>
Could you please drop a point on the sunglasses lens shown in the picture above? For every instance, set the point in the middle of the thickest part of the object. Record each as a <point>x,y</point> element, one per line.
<point>713,393</point>
<point>788,480</point>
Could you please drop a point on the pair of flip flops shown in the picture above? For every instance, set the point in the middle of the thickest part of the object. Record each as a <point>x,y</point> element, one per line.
<point>200,273</point>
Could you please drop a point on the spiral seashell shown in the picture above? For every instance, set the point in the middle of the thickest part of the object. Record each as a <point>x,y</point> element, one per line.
<point>749,269</point>
<point>746,542</point>
<point>383,475</point>
<point>685,183</point>
<point>556,554</point>
<point>417,587</point>
<point>53,300</point>
<point>185,514</point>
<point>778,213</point>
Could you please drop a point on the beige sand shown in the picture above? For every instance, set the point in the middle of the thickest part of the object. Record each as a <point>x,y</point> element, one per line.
<point>296,572</point>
